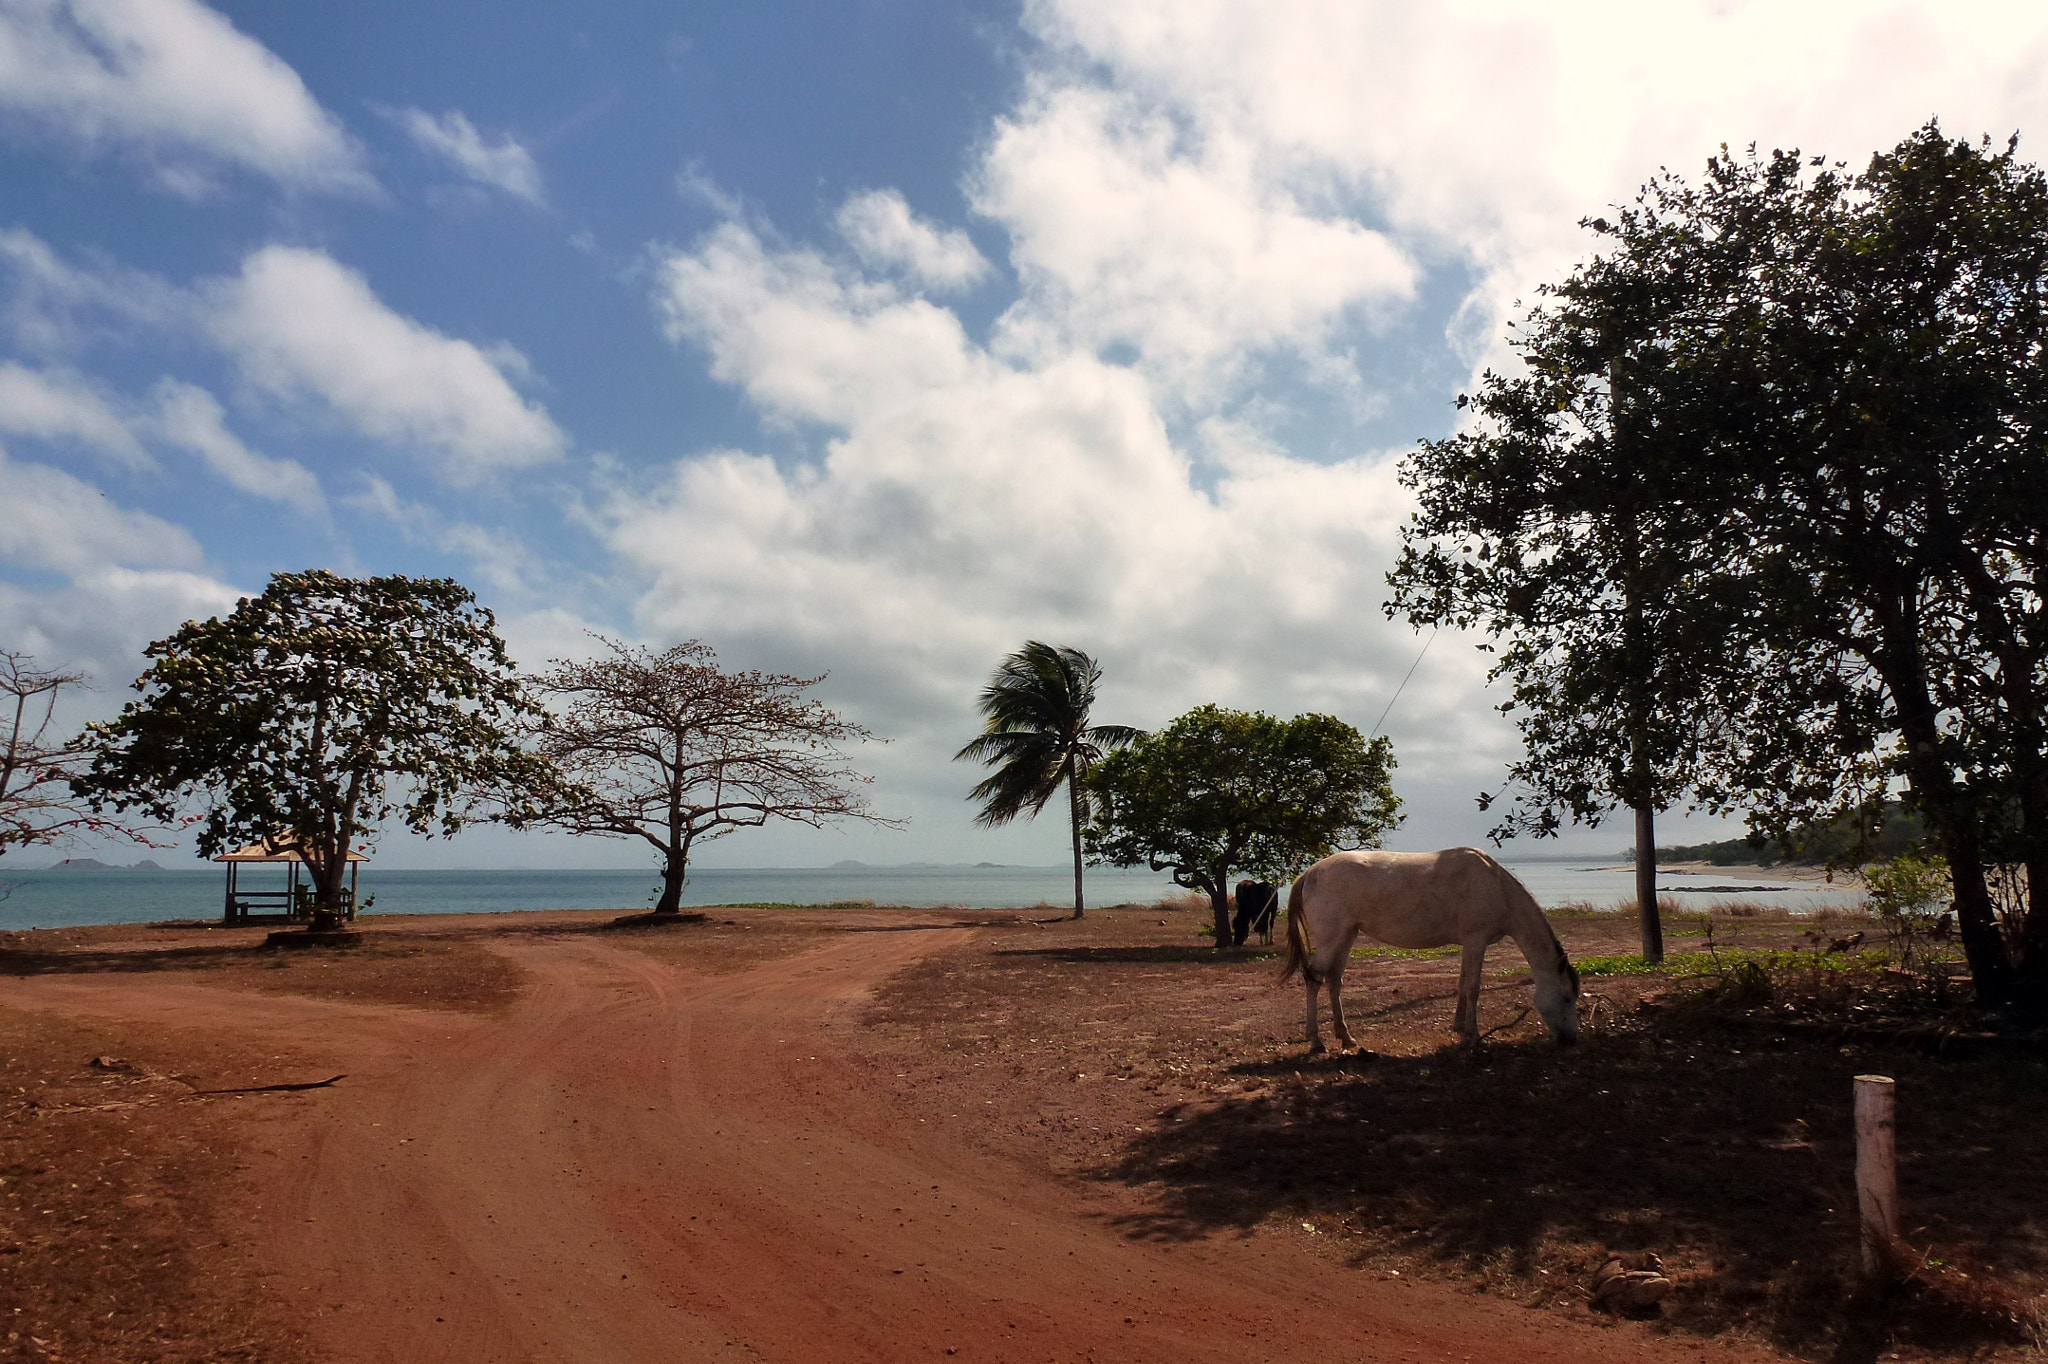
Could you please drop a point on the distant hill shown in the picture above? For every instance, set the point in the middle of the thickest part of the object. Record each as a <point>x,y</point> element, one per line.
<point>848,864</point>
<point>1837,841</point>
<point>94,864</point>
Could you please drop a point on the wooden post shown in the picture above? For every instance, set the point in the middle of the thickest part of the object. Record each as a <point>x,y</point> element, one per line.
<point>1877,1177</point>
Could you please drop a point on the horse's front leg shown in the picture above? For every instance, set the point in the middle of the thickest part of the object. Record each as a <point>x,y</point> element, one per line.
<point>1470,961</point>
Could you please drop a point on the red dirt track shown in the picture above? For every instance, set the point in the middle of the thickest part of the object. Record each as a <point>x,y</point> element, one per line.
<point>641,1162</point>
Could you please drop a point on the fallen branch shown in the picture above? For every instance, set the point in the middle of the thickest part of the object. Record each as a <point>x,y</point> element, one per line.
<point>271,1089</point>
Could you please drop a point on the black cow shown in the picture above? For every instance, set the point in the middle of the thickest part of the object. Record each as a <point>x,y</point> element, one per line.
<point>1257,902</point>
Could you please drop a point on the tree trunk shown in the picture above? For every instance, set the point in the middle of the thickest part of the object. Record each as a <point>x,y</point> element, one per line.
<point>327,878</point>
<point>1074,823</point>
<point>1219,904</point>
<point>1646,886</point>
<point>673,868</point>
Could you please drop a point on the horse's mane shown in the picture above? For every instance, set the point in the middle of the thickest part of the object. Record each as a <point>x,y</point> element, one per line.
<point>1519,896</point>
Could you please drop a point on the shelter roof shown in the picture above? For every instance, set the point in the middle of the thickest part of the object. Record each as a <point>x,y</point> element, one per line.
<point>274,851</point>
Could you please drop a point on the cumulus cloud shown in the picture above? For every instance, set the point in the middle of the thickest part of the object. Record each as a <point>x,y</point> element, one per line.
<point>301,325</point>
<point>882,230</point>
<point>63,524</point>
<point>174,82</point>
<point>190,417</point>
<point>503,164</point>
<point>1197,197</point>
<point>965,503</point>
<point>1482,133</point>
<point>1191,251</point>
<point>57,405</point>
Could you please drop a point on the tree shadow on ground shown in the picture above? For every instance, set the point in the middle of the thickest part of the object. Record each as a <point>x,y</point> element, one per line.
<point>1180,953</point>
<point>1734,1147</point>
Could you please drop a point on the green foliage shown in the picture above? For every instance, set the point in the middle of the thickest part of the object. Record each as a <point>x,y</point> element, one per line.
<point>1908,886</point>
<point>1037,734</point>
<point>1036,731</point>
<point>1848,839</point>
<point>1222,791</point>
<point>317,711</point>
<point>1770,477</point>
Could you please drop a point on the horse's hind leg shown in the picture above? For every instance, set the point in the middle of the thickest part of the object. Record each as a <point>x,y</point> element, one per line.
<point>1471,960</point>
<point>1315,1027</point>
<point>1337,1006</point>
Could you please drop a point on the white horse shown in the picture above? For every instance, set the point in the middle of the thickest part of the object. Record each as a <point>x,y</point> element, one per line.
<point>1428,899</point>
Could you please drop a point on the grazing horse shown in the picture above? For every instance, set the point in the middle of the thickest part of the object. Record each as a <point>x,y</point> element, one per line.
<point>1428,899</point>
<point>1257,903</point>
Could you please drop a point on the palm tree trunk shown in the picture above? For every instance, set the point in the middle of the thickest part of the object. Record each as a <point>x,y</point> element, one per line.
<point>1074,825</point>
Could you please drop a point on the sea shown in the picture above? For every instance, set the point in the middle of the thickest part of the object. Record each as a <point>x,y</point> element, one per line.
<point>66,897</point>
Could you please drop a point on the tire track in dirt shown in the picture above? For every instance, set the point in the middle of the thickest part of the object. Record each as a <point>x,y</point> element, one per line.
<point>639,1164</point>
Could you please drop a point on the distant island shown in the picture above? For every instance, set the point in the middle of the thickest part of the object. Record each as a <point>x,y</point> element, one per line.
<point>94,864</point>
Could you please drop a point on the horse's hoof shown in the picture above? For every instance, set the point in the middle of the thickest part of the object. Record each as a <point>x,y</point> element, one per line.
<point>1315,1049</point>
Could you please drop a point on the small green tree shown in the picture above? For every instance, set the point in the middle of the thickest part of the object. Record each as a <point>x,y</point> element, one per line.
<point>317,711</point>
<point>1224,791</point>
<point>1038,737</point>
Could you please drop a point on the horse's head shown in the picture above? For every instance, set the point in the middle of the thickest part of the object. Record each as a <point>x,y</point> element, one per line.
<point>1557,999</point>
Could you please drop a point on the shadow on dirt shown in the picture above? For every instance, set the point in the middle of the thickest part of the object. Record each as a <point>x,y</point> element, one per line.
<point>1191,953</point>
<point>1500,1162</point>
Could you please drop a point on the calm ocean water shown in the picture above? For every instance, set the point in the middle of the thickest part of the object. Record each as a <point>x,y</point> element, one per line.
<point>55,899</point>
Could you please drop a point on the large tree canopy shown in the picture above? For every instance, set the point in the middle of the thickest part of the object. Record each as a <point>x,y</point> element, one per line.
<point>317,711</point>
<point>1824,409</point>
<point>1038,734</point>
<point>671,749</point>
<point>1222,791</point>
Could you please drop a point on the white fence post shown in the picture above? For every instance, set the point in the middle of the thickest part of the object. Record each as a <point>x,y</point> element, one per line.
<point>1877,1176</point>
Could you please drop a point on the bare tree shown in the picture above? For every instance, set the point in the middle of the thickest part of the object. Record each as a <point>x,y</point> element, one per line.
<point>670,748</point>
<point>37,804</point>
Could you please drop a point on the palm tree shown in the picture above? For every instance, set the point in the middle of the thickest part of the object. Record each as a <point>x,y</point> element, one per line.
<point>1036,735</point>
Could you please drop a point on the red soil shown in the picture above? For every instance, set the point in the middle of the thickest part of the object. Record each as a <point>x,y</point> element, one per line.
<point>642,1162</point>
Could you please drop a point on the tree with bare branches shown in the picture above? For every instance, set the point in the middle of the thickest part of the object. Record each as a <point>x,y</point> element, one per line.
<point>37,804</point>
<point>672,749</point>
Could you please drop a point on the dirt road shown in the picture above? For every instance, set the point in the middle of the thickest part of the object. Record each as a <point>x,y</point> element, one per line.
<point>641,1163</point>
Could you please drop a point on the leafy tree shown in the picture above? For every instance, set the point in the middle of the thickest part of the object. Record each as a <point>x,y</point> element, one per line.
<point>672,749</point>
<point>37,804</point>
<point>317,711</point>
<point>1219,792</point>
<point>1841,373</point>
<point>1038,737</point>
<point>1566,523</point>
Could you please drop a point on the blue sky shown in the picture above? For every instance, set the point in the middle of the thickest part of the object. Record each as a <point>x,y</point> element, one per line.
<point>869,339</point>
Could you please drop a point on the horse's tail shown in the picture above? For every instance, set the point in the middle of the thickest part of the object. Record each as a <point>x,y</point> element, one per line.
<point>1519,898</point>
<point>1297,941</point>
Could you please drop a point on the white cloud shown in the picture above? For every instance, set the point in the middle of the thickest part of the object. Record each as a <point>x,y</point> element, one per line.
<point>300,324</point>
<point>965,504</point>
<point>55,307</point>
<point>188,416</point>
<point>59,405</point>
<point>504,165</point>
<point>1482,132</point>
<point>176,82</point>
<point>880,227</point>
<point>501,560</point>
<point>59,523</point>
<point>1127,230</point>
